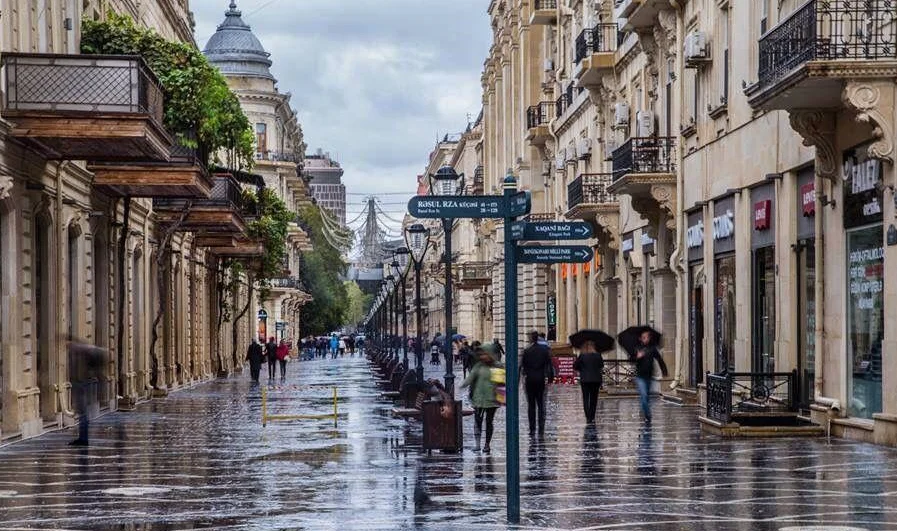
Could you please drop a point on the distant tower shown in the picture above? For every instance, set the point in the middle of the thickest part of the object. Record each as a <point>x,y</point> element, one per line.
<point>326,183</point>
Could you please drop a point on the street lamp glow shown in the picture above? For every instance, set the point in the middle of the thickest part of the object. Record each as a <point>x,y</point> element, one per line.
<point>446,181</point>
<point>417,238</point>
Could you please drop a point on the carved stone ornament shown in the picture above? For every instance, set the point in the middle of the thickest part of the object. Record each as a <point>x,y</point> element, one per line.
<point>608,222</point>
<point>666,198</point>
<point>6,183</point>
<point>818,130</point>
<point>869,100</point>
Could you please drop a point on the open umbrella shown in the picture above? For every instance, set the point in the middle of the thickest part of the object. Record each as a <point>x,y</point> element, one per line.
<point>629,339</point>
<point>459,337</point>
<point>602,341</point>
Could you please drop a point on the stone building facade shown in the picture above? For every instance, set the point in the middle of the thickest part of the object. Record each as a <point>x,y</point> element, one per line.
<point>738,172</point>
<point>77,257</point>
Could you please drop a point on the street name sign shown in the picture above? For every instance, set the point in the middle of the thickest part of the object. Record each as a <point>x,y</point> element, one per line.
<point>562,254</point>
<point>471,206</point>
<point>520,204</point>
<point>550,230</point>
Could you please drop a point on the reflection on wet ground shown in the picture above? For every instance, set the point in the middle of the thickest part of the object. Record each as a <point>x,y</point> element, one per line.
<point>201,460</point>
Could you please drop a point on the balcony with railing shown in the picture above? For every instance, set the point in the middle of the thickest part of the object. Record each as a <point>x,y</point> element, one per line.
<point>595,48</point>
<point>755,403</point>
<point>644,155</point>
<point>474,275</point>
<point>278,156</point>
<point>537,119</point>
<point>545,13</point>
<point>285,284</point>
<point>219,219</point>
<point>644,168</point>
<point>85,107</point>
<point>479,181</point>
<point>588,194</point>
<point>805,58</point>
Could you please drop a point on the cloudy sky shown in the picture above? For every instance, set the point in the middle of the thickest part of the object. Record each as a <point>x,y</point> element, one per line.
<point>375,82</point>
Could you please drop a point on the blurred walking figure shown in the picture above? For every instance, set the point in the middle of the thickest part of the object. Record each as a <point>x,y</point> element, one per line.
<point>483,397</point>
<point>499,350</point>
<point>86,363</point>
<point>334,346</point>
<point>255,355</point>
<point>350,345</point>
<point>283,355</point>
<point>590,365</point>
<point>536,368</point>
<point>641,343</point>
<point>341,346</point>
<point>271,355</point>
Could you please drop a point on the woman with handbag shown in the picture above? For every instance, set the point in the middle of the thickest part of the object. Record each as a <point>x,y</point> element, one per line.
<point>485,392</point>
<point>283,355</point>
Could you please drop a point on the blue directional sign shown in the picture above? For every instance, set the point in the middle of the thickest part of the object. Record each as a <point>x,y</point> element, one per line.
<point>566,254</point>
<point>520,204</point>
<point>550,230</point>
<point>472,206</point>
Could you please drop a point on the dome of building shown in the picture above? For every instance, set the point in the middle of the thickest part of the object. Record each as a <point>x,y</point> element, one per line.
<point>235,50</point>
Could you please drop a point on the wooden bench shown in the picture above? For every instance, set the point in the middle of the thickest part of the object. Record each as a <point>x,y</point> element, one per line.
<point>415,411</point>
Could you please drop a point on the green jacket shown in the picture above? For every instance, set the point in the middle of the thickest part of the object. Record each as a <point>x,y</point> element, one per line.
<point>483,395</point>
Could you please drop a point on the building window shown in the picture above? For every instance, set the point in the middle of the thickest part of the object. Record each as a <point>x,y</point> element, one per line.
<point>865,319</point>
<point>261,138</point>
<point>764,16</point>
<point>725,313</point>
<point>724,39</point>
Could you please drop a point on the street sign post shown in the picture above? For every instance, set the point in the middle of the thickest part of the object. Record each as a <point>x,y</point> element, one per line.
<point>452,207</point>
<point>549,254</point>
<point>519,204</point>
<point>551,230</point>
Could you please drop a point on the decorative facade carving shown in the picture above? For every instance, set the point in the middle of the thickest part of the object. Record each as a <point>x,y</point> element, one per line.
<point>6,183</point>
<point>869,99</point>
<point>818,130</point>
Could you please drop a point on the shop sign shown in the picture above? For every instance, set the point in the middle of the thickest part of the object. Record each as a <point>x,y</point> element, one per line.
<point>263,315</point>
<point>552,309</point>
<point>808,199</point>
<point>647,244</point>
<point>762,214</point>
<point>627,245</point>
<point>694,235</point>
<point>724,226</point>
<point>862,198</point>
<point>563,369</point>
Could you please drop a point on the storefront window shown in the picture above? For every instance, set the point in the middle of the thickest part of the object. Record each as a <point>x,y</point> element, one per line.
<point>865,265</point>
<point>725,313</point>
<point>764,310</point>
<point>696,325</point>
<point>807,320</point>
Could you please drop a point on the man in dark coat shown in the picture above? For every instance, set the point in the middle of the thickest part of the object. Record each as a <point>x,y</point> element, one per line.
<point>536,368</point>
<point>590,365</point>
<point>86,368</point>
<point>255,355</point>
<point>646,355</point>
<point>271,354</point>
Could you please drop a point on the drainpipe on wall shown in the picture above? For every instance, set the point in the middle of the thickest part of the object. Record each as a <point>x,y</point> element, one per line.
<point>677,258</point>
<point>819,296</point>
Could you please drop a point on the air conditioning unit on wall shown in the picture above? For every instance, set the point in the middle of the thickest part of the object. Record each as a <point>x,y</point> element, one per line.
<point>560,160</point>
<point>584,148</point>
<point>609,147</point>
<point>644,123</point>
<point>621,113</point>
<point>697,52</point>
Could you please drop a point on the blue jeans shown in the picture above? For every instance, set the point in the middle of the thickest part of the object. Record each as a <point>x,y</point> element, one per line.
<point>644,394</point>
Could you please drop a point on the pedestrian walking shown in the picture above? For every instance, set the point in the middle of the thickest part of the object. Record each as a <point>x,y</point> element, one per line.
<point>359,344</point>
<point>641,343</point>
<point>341,346</point>
<point>483,396</point>
<point>590,366</point>
<point>271,355</point>
<point>86,363</point>
<point>255,355</point>
<point>334,346</point>
<point>467,356</point>
<point>536,369</point>
<point>499,350</point>
<point>283,356</point>
<point>350,345</point>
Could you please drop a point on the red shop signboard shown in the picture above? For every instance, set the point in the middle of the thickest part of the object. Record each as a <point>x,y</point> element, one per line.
<point>808,199</point>
<point>762,214</point>
<point>563,369</point>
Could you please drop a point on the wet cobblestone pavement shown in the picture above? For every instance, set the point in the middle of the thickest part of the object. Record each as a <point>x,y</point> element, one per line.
<point>200,459</point>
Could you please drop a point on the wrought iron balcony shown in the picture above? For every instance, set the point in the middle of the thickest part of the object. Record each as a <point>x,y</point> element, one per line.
<point>223,212</point>
<point>653,154</point>
<point>85,107</point>
<point>479,180</point>
<point>601,39</point>
<point>286,283</point>
<point>278,156</point>
<point>537,119</point>
<point>588,195</point>
<point>544,12</point>
<point>474,275</point>
<point>751,394</point>
<point>803,59</point>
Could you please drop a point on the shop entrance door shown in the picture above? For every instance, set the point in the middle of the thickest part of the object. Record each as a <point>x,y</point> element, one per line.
<point>696,327</point>
<point>806,321</point>
<point>764,360</point>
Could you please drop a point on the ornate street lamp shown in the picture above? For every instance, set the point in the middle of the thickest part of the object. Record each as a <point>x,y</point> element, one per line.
<point>417,238</point>
<point>392,322</point>
<point>400,260</point>
<point>447,181</point>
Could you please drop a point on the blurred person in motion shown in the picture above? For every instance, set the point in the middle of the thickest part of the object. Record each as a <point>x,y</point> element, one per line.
<point>590,365</point>
<point>536,368</point>
<point>283,355</point>
<point>271,355</point>
<point>86,367</point>
<point>483,395</point>
<point>255,355</point>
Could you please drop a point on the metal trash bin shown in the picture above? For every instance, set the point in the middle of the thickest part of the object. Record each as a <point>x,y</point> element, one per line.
<point>441,433</point>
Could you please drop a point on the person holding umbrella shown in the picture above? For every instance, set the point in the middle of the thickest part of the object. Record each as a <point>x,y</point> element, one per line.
<point>590,365</point>
<point>641,343</point>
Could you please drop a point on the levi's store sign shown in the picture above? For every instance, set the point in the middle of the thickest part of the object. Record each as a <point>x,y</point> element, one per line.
<point>808,199</point>
<point>862,196</point>
<point>762,214</point>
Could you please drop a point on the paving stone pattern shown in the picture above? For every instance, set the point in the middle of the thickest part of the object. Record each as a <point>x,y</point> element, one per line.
<point>200,459</point>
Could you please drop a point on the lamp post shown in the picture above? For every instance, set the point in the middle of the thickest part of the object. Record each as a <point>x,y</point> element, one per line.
<point>400,270</point>
<point>393,314</point>
<point>417,238</point>
<point>445,182</point>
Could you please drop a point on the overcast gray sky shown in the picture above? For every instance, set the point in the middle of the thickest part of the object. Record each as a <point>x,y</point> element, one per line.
<point>375,81</point>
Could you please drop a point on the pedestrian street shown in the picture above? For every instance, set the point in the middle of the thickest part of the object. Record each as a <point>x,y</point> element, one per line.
<point>202,460</point>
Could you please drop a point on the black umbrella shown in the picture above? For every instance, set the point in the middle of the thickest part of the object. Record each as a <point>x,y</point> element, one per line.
<point>602,341</point>
<point>630,339</point>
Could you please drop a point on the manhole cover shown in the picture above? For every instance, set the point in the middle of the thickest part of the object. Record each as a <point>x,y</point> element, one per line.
<point>136,491</point>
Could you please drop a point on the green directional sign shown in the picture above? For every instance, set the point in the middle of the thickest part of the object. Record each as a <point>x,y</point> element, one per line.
<point>562,254</point>
<point>550,230</point>
<point>472,206</point>
<point>520,204</point>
